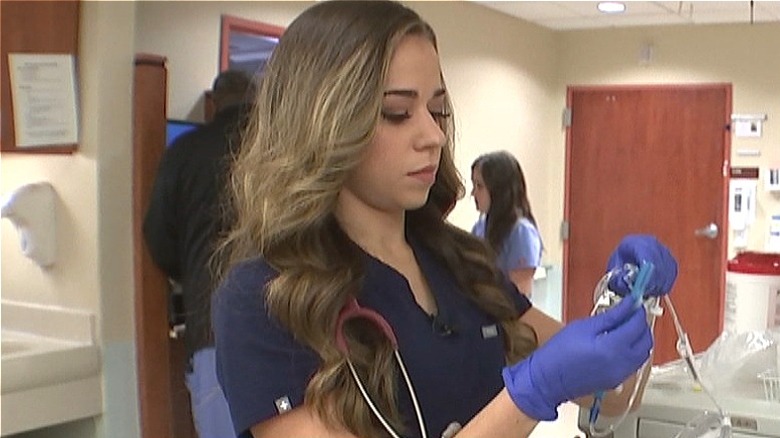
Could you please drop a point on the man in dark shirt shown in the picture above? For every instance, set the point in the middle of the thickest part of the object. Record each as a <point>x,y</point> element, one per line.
<point>181,227</point>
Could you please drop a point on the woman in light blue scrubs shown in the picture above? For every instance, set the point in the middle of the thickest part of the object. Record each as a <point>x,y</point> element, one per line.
<point>506,221</point>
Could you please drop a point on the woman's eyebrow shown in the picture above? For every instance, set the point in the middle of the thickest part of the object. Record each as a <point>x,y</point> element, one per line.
<point>413,93</point>
<point>402,93</point>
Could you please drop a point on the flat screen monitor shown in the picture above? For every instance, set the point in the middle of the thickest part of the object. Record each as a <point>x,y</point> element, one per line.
<point>175,128</point>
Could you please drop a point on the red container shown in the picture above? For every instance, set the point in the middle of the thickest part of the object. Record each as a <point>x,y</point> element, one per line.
<point>752,292</point>
<point>759,263</point>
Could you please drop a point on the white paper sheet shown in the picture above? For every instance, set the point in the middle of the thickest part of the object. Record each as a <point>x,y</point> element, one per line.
<point>43,92</point>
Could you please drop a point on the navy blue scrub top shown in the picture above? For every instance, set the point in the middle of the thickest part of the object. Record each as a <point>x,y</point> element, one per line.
<point>454,360</point>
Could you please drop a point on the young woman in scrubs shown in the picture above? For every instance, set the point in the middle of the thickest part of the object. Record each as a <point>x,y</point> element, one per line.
<point>351,132</point>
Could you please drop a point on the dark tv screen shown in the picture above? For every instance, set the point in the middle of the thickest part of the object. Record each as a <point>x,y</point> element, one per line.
<point>175,128</point>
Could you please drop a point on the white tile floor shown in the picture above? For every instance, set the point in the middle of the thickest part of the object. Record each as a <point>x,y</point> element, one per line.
<point>564,427</point>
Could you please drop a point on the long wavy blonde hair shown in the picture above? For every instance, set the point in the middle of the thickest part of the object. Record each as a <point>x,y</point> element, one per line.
<point>316,111</point>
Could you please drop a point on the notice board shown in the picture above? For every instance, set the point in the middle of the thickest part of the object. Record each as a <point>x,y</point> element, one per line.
<point>33,27</point>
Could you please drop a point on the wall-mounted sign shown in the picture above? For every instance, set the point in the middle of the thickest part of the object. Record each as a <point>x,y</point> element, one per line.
<point>43,93</point>
<point>748,125</point>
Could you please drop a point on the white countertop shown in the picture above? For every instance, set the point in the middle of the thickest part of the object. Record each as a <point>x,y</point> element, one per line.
<point>50,366</point>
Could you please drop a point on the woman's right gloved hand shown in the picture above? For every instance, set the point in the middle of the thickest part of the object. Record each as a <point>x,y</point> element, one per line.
<point>636,249</point>
<point>588,355</point>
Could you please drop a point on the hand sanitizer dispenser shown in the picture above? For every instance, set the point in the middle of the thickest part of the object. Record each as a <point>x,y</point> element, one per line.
<point>31,208</point>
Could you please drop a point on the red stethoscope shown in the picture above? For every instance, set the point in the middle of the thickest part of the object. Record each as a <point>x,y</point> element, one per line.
<point>353,310</point>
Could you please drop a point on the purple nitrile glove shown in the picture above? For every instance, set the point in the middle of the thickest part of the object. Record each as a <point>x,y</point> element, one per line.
<point>588,355</point>
<point>632,251</point>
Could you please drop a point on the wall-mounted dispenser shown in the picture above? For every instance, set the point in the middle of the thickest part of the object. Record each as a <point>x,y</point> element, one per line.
<point>742,203</point>
<point>773,243</point>
<point>772,181</point>
<point>747,125</point>
<point>31,208</point>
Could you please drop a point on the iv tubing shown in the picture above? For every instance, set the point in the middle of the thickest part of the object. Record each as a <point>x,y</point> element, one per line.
<point>637,293</point>
<point>612,427</point>
<point>685,352</point>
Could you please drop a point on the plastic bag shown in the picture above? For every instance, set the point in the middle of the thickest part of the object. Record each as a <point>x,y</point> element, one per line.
<point>732,364</point>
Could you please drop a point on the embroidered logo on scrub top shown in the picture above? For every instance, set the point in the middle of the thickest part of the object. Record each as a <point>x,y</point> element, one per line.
<point>489,331</point>
<point>283,404</point>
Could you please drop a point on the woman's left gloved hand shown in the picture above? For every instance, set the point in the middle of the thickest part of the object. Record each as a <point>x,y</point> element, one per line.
<point>588,355</point>
<point>634,250</point>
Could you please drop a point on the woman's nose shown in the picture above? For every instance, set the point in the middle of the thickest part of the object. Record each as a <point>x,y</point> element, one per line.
<point>431,133</point>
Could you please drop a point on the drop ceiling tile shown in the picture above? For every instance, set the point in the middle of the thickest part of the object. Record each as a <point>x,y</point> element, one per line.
<point>571,23</point>
<point>644,20</point>
<point>584,14</point>
<point>530,10</point>
<point>770,9</point>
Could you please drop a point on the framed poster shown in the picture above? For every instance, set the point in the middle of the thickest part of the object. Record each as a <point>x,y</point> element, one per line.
<point>44,102</point>
<point>247,45</point>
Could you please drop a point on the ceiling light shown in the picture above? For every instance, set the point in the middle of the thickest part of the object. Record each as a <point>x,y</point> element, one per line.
<point>611,7</point>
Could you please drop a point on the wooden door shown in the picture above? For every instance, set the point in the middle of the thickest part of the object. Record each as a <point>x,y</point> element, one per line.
<point>163,397</point>
<point>650,159</point>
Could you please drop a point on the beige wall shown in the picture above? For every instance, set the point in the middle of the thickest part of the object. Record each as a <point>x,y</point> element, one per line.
<point>187,33</point>
<point>508,80</point>
<point>502,80</point>
<point>501,74</point>
<point>93,270</point>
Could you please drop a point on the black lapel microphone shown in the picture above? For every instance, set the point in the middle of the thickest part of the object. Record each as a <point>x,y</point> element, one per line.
<point>441,327</point>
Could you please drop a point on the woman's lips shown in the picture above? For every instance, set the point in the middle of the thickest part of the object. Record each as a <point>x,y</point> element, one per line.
<point>426,175</point>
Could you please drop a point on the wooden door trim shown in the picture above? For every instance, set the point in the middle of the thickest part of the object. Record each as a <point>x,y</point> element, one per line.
<point>231,24</point>
<point>151,321</point>
<point>724,213</point>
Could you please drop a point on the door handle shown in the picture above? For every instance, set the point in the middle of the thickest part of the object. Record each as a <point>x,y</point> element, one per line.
<point>710,231</point>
